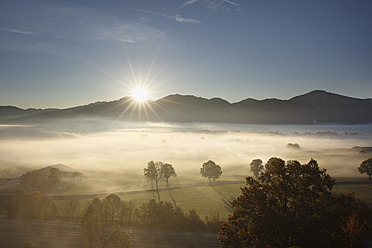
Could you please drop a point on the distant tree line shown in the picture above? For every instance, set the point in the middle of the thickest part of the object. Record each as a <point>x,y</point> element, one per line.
<point>103,220</point>
<point>41,180</point>
<point>31,206</point>
<point>112,213</point>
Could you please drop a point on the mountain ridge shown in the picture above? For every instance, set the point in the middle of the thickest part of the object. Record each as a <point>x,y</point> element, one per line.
<point>317,106</point>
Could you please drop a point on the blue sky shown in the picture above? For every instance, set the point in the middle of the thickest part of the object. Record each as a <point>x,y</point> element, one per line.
<point>68,53</point>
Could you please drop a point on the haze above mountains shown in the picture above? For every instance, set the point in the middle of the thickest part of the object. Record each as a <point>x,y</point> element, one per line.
<point>316,107</point>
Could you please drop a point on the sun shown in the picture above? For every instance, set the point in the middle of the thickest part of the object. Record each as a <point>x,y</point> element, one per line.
<point>139,94</point>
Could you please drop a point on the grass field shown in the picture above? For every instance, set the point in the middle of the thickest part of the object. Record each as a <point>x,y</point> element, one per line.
<point>212,200</point>
<point>362,191</point>
<point>207,200</point>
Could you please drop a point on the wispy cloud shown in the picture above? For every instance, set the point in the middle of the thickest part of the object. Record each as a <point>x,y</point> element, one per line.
<point>187,3</point>
<point>51,28</point>
<point>214,5</point>
<point>230,2</point>
<point>175,17</point>
<point>17,31</point>
<point>181,19</point>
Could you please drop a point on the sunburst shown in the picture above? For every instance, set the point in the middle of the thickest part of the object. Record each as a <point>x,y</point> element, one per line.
<point>139,94</point>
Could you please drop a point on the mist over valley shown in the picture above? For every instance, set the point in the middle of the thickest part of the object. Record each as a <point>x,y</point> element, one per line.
<point>102,154</point>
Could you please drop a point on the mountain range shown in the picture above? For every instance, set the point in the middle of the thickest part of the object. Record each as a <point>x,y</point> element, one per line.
<point>316,107</point>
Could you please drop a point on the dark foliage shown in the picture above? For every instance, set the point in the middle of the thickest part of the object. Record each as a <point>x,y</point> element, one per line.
<point>293,206</point>
<point>31,206</point>
<point>41,180</point>
<point>366,167</point>
<point>256,167</point>
<point>211,170</point>
<point>162,215</point>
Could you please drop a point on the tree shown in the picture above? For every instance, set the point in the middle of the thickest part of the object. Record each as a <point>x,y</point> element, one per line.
<point>117,239</point>
<point>167,171</point>
<point>289,206</point>
<point>126,213</point>
<point>92,225</point>
<point>366,167</point>
<point>353,231</point>
<point>48,208</point>
<point>153,172</point>
<point>210,170</point>
<point>15,207</point>
<point>256,167</point>
<point>72,207</point>
<point>33,180</point>
<point>32,202</point>
<point>31,206</point>
<point>41,180</point>
<point>54,179</point>
<point>162,215</point>
<point>28,244</point>
<point>111,206</point>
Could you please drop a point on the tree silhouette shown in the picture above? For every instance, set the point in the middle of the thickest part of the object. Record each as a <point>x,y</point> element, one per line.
<point>210,170</point>
<point>92,225</point>
<point>15,207</point>
<point>48,208</point>
<point>117,239</point>
<point>256,167</point>
<point>157,171</point>
<point>366,167</point>
<point>152,174</point>
<point>41,180</point>
<point>126,213</point>
<point>28,244</point>
<point>292,206</point>
<point>111,206</point>
<point>167,171</point>
<point>31,206</point>
<point>72,207</point>
<point>162,215</point>
<point>54,179</point>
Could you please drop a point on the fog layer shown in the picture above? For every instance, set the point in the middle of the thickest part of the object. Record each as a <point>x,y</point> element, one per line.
<point>126,148</point>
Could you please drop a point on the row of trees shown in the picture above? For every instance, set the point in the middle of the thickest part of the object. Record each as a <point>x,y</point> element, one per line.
<point>108,217</point>
<point>42,180</point>
<point>98,213</point>
<point>34,205</point>
<point>257,167</point>
<point>159,171</point>
<point>112,210</point>
<point>104,220</point>
<point>292,205</point>
<point>31,206</point>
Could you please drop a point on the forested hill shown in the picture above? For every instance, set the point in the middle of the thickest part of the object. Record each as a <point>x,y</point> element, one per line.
<point>316,107</point>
